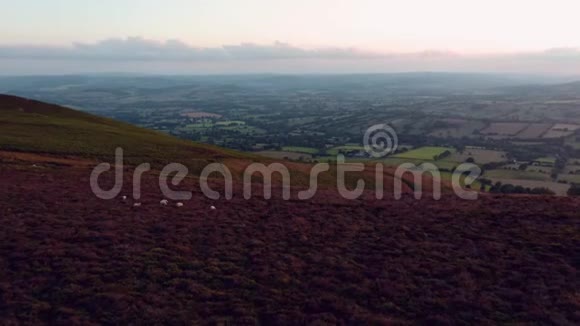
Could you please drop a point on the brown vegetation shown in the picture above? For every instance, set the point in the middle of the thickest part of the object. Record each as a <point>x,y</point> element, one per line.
<point>68,257</point>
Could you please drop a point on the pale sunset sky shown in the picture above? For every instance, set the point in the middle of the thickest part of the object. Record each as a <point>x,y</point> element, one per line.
<point>221,36</point>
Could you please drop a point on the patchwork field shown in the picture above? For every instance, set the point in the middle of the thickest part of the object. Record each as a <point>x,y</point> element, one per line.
<point>282,155</point>
<point>550,161</point>
<point>347,148</point>
<point>534,131</point>
<point>561,130</point>
<point>230,123</point>
<point>572,168</point>
<point>198,115</point>
<point>298,149</point>
<point>500,130</point>
<point>516,174</point>
<point>458,128</point>
<point>504,128</point>
<point>559,189</point>
<point>572,141</point>
<point>424,153</point>
<point>569,178</point>
<point>397,161</point>
<point>480,156</point>
<point>541,169</point>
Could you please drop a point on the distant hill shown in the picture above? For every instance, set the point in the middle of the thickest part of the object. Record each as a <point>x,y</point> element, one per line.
<point>37,127</point>
<point>559,91</point>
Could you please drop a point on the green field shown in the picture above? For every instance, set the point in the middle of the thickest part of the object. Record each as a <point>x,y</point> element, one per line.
<point>300,121</point>
<point>282,155</point>
<point>546,160</point>
<point>570,178</point>
<point>324,159</point>
<point>448,176</point>
<point>230,123</point>
<point>200,125</point>
<point>396,161</point>
<point>298,149</point>
<point>26,124</point>
<point>424,153</point>
<point>516,174</point>
<point>346,148</point>
<point>243,129</point>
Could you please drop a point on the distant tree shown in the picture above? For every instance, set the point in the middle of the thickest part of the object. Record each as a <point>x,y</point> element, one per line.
<point>485,182</point>
<point>542,191</point>
<point>496,188</point>
<point>442,155</point>
<point>574,190</point>
<point>507,189</point>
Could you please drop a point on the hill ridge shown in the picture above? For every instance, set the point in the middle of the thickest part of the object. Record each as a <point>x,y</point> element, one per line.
<point>37,127</point>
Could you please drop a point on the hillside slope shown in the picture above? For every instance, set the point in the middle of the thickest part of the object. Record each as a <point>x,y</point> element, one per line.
<point>67,257</point>
<point>30,126</point>
<point>33,126</point>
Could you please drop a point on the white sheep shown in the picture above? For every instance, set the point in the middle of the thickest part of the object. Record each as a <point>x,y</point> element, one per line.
<point>179,204</point>
<point>124,198</point>
<point>163,202</point>
<point>212,207</point>
<point>137,205</point>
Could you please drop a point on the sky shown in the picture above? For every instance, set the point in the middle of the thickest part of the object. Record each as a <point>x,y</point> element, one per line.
<point>221,36</point>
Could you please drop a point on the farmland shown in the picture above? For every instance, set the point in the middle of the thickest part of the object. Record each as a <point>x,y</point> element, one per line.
<point>200,115</point>
<point>559,189</point>
<point>480,156</point>
<point>425,153</point>
<point>298,149</point>
<point>346,148</point>
<point>561,130</point>
<point>534,131</point>
<point>441,164</point>
<point>569,178</point>
<point>458,128</point>
<point>315,118</point>
<point>504,128</point>
<point>68,257</point>
<point>516,175</point>
<point>285,155</point>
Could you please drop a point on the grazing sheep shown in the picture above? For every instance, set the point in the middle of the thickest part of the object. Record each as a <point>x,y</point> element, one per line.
<point>163,202</point>
<point>179,204</point>
<point>212,207</point>
<point>124,198</point>
<point>137,205</point>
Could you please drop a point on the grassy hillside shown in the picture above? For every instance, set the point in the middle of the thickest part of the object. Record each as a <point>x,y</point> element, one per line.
<point>36,127</point>
<point>33,126</point>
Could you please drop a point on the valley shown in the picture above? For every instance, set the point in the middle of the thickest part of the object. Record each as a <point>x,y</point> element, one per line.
<point>499,123</point>
<point>68,257</point>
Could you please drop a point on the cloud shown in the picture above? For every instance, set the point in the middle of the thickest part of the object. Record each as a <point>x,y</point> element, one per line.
<point>137,48</point>
<point>137,54</point>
